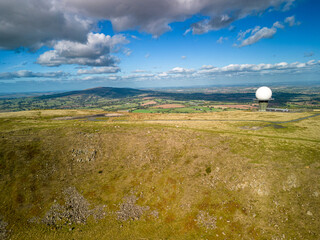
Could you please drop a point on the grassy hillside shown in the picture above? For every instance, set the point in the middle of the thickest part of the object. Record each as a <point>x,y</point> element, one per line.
<point>221,175</point>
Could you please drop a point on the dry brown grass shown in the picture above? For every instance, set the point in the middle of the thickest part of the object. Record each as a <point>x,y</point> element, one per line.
<point>37,113</point>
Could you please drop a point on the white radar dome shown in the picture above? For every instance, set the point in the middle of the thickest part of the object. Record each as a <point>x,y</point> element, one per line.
<point>263,93</point>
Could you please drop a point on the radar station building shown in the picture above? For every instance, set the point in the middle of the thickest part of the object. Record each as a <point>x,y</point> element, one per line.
<point>263,95</point>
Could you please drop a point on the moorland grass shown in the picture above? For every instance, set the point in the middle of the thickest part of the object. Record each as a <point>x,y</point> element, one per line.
<point>254,184</point>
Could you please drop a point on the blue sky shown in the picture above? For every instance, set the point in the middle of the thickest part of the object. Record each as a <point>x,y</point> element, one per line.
<point>78,44</point>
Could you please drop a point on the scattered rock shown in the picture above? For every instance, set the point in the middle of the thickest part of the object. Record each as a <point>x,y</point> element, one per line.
<point>292,182</point>
<point>206,221</point>
<point>55,216</point>
<point>84,155</point>
<point>98,212</point>
<point>309,213</point>
<point>258,186</point>
<point>129,210</point>
<point>75,210</point>
<point>3,228</point>
<point>154,214</point>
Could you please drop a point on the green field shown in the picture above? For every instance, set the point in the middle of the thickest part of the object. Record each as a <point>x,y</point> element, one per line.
<point>220,175</point>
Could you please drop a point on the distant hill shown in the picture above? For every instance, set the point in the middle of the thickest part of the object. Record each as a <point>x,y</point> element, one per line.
<point>105,92</point>
<point>129,99</point>
<point>119,93</point>
<point>116,93</point>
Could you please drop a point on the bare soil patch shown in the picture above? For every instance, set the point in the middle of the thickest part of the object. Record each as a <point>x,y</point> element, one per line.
<point>149,103</point>
<point>169,106</point>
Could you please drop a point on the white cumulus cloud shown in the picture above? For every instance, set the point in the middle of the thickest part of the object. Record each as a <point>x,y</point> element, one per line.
<point>262,68</point>
<point>222,39</point>
<point>139,77</point>
<point>292,21</point>
<point>99,70</point>
<point>95,52</point>
<point>278,25</point>
<point>30,74</point>
<point>180,70</point>
<point>261,34</point>
<point>257,34</point>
